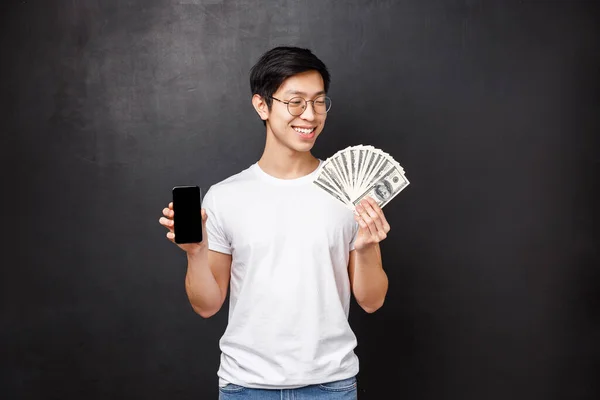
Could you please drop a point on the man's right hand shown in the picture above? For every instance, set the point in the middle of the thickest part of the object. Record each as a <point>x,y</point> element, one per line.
<point>167,221</point>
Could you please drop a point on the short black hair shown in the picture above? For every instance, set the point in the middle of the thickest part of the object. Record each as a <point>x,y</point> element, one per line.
<point>280,63</point>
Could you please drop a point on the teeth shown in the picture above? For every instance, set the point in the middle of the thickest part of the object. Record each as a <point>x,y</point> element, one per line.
<point>305,131</point>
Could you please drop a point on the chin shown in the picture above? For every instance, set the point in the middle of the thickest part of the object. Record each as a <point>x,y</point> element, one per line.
<point>306,145</point>
<point>302,148</point>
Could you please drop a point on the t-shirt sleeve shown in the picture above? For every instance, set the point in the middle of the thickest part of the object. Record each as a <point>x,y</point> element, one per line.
<point>354,235</point>
<point>217,236</point>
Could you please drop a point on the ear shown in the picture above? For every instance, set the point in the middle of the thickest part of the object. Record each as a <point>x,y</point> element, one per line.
<point>261,107</point>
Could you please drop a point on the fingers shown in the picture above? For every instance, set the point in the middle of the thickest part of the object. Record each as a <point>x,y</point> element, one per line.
<point>370,217</point>
<point>379,211</point>
<point>368,227</point>
<point>167,223</point>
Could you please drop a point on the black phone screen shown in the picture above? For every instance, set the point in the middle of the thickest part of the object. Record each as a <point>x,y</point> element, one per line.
<point>187,217</point>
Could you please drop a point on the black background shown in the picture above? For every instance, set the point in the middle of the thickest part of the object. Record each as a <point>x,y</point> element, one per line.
<point>492,108</point>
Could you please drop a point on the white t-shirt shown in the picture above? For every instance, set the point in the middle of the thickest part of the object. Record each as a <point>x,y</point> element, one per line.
<point>290,292</point>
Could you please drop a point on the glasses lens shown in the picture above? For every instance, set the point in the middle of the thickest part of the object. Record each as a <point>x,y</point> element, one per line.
<point>322,104</point>
<point>296,106</point>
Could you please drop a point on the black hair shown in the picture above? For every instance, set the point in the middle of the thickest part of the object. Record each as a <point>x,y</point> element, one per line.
<point>280,63</point>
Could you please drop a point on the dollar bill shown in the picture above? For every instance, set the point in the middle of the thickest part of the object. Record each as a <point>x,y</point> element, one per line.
<point>386,188</point>
<point>359,171</point>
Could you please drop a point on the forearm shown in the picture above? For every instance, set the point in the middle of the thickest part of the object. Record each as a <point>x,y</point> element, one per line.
<point>370,283</point>
<point>201,286</point>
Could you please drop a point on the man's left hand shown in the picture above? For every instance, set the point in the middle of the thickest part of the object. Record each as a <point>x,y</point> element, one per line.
<point>373,227</point>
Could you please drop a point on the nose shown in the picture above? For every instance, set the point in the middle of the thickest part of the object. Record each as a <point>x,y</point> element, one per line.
<point>309,112</point>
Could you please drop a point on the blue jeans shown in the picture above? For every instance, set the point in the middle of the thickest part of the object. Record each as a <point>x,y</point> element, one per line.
<point>338,390</point>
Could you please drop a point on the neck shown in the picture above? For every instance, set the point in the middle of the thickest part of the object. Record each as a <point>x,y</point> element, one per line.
<point>282,162</point>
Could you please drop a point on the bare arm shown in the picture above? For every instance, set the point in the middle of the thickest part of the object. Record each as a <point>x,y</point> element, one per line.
<point>368,279</point>
<point>208,272</point>
<point>207,280</point>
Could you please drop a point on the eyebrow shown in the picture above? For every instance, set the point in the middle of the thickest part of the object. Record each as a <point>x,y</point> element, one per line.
<point>302,93</point>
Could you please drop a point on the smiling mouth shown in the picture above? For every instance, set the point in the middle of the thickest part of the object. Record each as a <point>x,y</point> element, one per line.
<point>304,131</point>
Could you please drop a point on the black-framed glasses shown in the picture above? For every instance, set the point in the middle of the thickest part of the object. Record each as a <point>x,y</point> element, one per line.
<point>297,105</point>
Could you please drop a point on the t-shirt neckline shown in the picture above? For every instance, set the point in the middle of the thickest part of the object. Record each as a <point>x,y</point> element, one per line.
<point>286,182</point>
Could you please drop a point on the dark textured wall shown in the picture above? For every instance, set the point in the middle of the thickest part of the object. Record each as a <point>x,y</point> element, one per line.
<point>491,107</point>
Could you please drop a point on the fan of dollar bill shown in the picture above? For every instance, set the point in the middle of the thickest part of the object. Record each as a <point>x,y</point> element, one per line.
<point>356,172</point>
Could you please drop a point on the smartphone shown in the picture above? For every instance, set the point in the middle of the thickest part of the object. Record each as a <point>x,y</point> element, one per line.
<point>187,216</point>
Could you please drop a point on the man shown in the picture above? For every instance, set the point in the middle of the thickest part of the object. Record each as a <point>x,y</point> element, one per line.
<point>290,252</point>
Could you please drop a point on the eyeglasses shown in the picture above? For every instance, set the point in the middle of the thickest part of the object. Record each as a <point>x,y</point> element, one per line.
<point>297,105</point>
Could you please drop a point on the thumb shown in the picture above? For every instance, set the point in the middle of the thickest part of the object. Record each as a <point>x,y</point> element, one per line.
<point>204,218</point>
